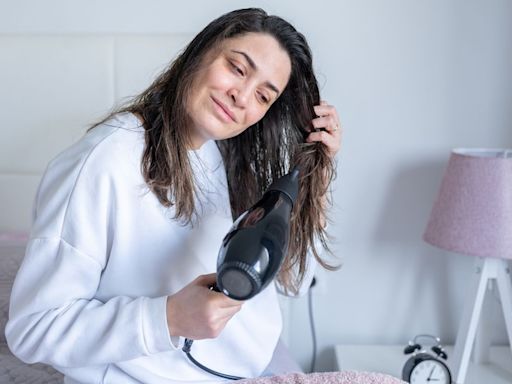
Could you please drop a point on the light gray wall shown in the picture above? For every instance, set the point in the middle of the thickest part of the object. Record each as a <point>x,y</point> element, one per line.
<point>411,80</point>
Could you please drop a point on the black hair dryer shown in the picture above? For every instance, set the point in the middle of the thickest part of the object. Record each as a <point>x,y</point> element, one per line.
<point>254,248</point>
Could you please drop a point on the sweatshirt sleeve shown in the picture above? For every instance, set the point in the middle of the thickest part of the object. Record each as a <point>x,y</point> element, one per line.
<point>54,316</point>
<point>54,319</point>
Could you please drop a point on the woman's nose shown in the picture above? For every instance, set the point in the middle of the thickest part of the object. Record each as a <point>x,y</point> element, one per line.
<point>238,96</point>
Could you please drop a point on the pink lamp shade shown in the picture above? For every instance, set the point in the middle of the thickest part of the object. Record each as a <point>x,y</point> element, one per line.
<point>473,211</point>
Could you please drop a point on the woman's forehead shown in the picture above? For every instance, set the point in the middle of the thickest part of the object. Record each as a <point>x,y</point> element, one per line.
<point>262,52</point>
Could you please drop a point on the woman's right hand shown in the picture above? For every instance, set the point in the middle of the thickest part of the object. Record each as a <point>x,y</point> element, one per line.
<point>197,312</point>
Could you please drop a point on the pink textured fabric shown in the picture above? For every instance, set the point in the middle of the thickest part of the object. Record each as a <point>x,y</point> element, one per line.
<point>473,211</point>
<point>342,377</point>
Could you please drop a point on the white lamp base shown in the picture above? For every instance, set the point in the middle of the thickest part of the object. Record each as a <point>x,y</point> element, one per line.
<point>488,269</point>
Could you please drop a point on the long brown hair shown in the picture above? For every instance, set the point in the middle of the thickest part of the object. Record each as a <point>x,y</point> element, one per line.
<point>256,157</point>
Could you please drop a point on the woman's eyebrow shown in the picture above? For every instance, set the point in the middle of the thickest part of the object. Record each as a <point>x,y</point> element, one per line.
<point>253,65</point>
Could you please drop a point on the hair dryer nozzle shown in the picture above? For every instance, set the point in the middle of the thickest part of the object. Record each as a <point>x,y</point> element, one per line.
<point>288,184</point>
<point>238,280</point>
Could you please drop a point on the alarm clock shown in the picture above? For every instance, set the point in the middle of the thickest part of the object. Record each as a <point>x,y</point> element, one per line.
<point>423,367</point>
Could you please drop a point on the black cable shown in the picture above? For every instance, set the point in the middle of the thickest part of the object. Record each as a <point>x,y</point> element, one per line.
<point>186,349</point>
<point>312,323</point>
<point>188,343</point>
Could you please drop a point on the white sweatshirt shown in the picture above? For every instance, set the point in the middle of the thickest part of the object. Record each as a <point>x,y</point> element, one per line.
<point>104,254</point>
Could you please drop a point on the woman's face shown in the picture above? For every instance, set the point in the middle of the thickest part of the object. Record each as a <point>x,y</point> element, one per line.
<point>235,86</point>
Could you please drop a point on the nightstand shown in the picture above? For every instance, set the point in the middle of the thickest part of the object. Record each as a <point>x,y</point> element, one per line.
<point>390,359</point>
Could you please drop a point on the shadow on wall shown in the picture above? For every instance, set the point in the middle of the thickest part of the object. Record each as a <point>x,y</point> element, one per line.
<point>424,270</point>
<point>326,360</point>
<point>408,203</point>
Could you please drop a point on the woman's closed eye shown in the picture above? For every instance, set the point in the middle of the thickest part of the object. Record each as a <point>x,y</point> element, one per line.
<point>237,69</point>
<point>263,98</point>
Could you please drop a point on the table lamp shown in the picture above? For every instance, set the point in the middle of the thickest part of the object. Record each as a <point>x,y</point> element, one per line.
<point>472,215</point>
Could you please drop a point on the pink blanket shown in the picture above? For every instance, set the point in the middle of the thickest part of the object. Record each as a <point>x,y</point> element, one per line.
<point>343,377</point>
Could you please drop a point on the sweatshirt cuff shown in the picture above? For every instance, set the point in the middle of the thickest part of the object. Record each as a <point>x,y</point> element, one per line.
<point>154,326</point>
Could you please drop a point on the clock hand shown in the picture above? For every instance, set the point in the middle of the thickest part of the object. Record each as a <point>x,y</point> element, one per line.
<point>431,372</point>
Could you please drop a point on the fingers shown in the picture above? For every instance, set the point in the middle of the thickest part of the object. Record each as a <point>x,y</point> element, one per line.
<point>328,117</point>
<point>329,140</point>
<point>321,136</point>
<point>215,324</point>
<point>328,122</point>
<point>228,313</point>
<point>210,324</point>
<point>197,312</point>
<point>328,127</point>
<point>224,302</point>
<point>325,109</point>
<point>219,299</point>
<point>206,280</point>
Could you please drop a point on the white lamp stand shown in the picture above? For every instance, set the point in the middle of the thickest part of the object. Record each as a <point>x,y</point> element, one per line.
<point>488,271</point>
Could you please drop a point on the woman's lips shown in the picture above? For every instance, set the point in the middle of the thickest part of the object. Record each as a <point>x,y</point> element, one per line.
<point>227,112</point>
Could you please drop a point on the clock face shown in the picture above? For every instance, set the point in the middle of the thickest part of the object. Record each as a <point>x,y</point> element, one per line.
<point>430,372</point>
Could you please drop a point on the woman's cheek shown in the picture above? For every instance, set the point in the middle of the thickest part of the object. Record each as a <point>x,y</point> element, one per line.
<point>256,116</point>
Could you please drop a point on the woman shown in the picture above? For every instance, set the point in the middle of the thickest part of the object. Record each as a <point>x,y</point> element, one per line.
<point>128,221</point>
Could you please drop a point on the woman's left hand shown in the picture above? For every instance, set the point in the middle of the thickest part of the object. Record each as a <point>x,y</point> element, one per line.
<point>328,120</point>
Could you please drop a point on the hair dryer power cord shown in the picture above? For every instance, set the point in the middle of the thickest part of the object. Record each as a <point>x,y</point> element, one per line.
<point>186,349</point>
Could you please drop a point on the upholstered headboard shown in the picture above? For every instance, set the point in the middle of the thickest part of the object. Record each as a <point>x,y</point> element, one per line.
<point>12,249</point>
<point>52,88</point>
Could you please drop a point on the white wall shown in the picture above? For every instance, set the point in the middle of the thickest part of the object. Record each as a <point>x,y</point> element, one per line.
<point>411,80</point>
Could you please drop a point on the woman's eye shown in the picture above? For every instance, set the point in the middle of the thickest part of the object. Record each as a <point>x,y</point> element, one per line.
<point>263,98</point>
<point>237,69</point>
